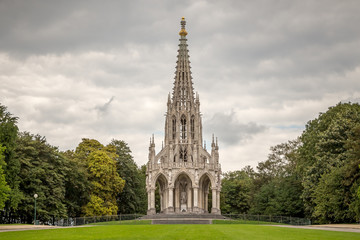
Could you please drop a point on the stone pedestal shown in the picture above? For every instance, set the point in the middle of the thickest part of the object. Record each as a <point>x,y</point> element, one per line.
<point>151,211</point>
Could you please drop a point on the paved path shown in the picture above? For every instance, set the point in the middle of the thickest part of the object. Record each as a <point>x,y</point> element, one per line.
<point>9,228</point>
<point>329,227</point>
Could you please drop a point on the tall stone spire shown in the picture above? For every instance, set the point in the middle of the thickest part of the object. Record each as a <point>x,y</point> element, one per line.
<point>183,91</point>
<point>184,170</point>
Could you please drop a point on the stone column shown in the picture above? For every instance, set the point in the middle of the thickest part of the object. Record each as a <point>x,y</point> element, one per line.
<point>206,202</point>
<point>218,202</point>
<point>189,207</point>
<point>177,204</point>
<point>195,198</point>
<point>149,200</point>
<point>161,200</point>
<point>213,209</point>
<point>152,209</point>
<point>171,199</point>
<point>200,200</point>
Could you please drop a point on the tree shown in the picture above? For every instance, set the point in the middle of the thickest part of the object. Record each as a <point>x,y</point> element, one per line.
<point>4,188</point>
<point>329,163</point>
<point>8,134</point>
<point>77,185</point>
<point>42,172</point>
<point>236,191</point>
<point>278,184</point>
<point>102,173</point>
<point>133,197</point>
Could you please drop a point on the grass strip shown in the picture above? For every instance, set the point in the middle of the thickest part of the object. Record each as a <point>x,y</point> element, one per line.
<point>198,232</point>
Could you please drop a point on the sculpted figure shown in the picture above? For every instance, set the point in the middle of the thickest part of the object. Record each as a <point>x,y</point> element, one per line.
<point>183,198</point>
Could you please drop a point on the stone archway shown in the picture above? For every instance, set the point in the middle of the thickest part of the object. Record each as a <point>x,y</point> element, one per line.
<point>183,194</point>
<point>160,198</point>
<point>204,190</point>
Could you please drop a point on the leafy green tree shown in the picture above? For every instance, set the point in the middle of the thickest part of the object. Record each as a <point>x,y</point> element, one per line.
<point>77,185</point>
<point>42,172</point>
<point>133,197</point>
<point>4,188</point>
<point>330,165</point>
<point>106,183</point>
<point>278,184</point>
<point>8,134</point>
<point>236,191</point>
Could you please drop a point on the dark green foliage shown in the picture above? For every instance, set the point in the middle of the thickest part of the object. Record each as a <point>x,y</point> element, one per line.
<point>8,134</point>
<point>237,187</point>
<point>133,198</point>
<point>4,187</point>
<point>77,185</point>
<point>278,184</point>
<point>42,172</point>
<point>329,161</point>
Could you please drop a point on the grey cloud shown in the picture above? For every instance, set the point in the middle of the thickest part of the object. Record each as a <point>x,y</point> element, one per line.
<point>102,109</point>
<point>230,130</point>
<point>276,63</point>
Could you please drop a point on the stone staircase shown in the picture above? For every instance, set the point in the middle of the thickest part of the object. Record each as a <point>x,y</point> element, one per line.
<point>187,218</point>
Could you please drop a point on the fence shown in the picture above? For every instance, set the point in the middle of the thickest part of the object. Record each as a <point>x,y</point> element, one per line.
<point>229,219</point>
<point>123,218</point>
<point>266,219</point>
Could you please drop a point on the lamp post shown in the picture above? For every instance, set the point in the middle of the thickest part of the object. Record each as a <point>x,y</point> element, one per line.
<point>35,197</point>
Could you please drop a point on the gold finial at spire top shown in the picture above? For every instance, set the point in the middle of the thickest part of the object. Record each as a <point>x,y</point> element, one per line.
<point>183,31</point>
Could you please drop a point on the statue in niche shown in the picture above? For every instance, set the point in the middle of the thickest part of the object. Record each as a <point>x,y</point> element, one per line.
<point>183,196</point>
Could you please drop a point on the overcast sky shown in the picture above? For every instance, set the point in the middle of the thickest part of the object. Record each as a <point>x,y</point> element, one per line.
<point>103,69</point>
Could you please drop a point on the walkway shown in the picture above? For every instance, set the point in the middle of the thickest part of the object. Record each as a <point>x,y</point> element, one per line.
<point>328,227</point>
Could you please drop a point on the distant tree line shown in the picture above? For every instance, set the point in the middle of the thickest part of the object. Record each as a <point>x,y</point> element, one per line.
<point>316,175</point>
<point>92,180</point>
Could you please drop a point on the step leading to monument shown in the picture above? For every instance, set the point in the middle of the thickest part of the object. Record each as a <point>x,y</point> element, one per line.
<point>183,216</point>
<point>181,221</point>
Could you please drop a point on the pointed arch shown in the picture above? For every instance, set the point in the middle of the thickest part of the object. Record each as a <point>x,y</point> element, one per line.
<point>211,178</point>
<point>159,176</point>
<point>160,193</point>
<point>206,184</point>
<point>184,172</point>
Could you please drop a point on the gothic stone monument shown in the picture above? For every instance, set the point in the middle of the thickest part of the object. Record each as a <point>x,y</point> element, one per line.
<point>184,171</point>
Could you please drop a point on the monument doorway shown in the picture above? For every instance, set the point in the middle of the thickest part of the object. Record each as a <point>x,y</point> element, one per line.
<point>183,194</point>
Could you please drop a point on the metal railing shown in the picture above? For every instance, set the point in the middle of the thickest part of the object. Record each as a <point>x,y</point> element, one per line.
<point>122,219</point>
<point>266,219</point>
<point>134,219</point>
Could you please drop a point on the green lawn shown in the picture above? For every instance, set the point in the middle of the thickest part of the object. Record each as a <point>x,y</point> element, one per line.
<point>244,222</point>
<point>221,231</point>
<point>124,222</point>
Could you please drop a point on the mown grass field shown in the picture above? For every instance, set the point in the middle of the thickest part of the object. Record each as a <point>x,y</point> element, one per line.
<point>215,231</point>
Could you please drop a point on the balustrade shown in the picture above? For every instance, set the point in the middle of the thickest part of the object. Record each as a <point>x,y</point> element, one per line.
<point>207,166</point>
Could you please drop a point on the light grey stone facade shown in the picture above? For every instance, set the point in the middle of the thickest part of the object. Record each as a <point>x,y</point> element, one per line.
<point>184,170</point>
